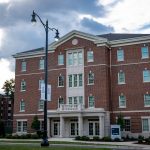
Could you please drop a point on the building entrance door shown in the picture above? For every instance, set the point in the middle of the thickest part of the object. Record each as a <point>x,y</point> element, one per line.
<point>74,129</point>
<point>56,129</point>
<point>94,128</point>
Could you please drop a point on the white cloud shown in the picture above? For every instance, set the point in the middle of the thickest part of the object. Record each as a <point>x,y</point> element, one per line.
<point>127,15</point>
<point>6,73</point>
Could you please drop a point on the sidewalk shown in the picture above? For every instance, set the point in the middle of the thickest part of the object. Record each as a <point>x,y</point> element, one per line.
<point>122,145</point>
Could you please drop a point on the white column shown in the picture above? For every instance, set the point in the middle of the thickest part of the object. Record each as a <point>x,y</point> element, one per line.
<point>48,127</point>
<point>80,125</point>
<point>62,126</point>
<point>101,125</point>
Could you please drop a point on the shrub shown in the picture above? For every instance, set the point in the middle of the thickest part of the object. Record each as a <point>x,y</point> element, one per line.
<point>96,138</point>
<point>28,136</point>
<point>107,139</point>
<point>78,138</point>
<point>117,140</point>
<point>34,136</point>
<point>147,140</point>
<point>85,138</point>
<point>140,139</point>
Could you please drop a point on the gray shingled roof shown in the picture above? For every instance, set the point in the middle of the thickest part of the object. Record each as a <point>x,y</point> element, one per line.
<point>109,36</point>
<point>119,36</point>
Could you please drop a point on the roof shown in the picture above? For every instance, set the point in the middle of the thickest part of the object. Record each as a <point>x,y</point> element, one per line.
<point>95,38</point>
<point>119,36</point>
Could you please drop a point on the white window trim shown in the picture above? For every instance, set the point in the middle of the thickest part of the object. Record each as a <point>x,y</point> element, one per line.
<point>63,81</point>
<point>148,124</point>
<point>39,105</point>
<point>142,55</point>
<point>120,83</point>
<point>21,120</point>
<point>40,64</point>
<point>21,86</point>
<point>58,60</point>
<point>88,79</point>
<point>143,77</point>
<point>25,67</point>
<point>119,60</point>
<point>144,102</point>
<point>119,102</point>
<point>20,106</point>
<point>89,103</point>
<point>90,60</point>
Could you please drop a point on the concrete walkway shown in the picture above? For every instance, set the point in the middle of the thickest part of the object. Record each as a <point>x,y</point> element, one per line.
<point>113,145</point>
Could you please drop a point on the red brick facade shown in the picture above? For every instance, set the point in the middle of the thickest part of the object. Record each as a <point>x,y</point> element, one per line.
<point>106,90</point>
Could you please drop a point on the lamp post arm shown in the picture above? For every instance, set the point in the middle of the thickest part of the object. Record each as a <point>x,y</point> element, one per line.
<point>40,20</point>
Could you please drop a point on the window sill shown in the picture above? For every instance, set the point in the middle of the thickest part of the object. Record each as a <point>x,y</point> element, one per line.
<point>90,84</point>
<point>22,90</point>
<point>146,81</point>
<point>23,70</point>
<point>146,105</point>
<point>144,57</point>
<point>122,107</point>
<point>41,110</point>
<point>60,86</point>
<point>22,111</point>
<point>60,64</point>
<point>89,61</point>
<point>121,83</point>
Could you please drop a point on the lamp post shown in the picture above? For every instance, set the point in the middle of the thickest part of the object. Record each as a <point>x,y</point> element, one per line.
<point>47,28</point>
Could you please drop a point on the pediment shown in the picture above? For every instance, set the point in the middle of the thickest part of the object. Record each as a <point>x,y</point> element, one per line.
<point>76,34</point>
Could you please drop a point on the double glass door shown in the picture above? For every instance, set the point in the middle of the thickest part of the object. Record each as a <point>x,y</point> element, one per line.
<point>93,128</point>
<point>56,129</point>
<point>74,128</point>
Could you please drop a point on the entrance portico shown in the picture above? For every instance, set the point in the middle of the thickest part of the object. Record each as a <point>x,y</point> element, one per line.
<point>72,124</point>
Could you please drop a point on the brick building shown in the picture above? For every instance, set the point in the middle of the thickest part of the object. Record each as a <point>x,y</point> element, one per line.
<point>6,113</point>
<point>93,79</point>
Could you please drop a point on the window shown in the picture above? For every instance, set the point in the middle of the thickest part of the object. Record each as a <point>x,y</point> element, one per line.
<point>41,64</point>
<point>80,58</point>
<point>75,58</point>
<point>60,81</point>
<point>40,83</point>
<point>94,128</point>
<point>75,80</point>
<point>23,66</point>
<point>23,85</point>
<point>22,126</point>
<point>70,60</point>
<point>146,76</point>
<point>147,100</point>
<point>22,106</point>
<point>91,101</point>
<point>120,55</point>
<point>60,59</point>
<point>122,101</point>
<point>145,125</point>
<point>91,78</point>
<point>121,77</point>
<point>145,52</point>
<point>41,105</point>
<point>127,124</point>
<point>60,101</point>
<point>80,79</point>
<point>75,100</point>
<point>70,80</point>
<point>90,57</point>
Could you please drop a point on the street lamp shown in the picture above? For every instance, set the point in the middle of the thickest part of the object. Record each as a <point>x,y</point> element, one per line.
<point>47,28</point>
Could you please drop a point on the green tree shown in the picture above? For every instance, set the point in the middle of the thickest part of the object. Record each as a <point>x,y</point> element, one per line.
<point>35,124</point>
<point>9,88</point>
<point>120,121</point>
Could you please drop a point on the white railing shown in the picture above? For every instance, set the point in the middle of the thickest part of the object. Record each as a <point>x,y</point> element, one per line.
<point>70,107</point>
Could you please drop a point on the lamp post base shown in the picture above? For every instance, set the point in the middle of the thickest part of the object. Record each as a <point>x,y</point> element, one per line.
<point>44,142</point>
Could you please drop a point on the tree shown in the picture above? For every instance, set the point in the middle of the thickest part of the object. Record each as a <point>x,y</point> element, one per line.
<point>120,121</point>
<point>35,124</point>
<point>9,88</point>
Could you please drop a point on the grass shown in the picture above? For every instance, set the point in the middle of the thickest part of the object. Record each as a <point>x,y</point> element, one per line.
<point>27,147</point>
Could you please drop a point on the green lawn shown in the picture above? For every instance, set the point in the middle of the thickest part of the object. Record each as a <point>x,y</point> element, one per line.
<point>32,147</point>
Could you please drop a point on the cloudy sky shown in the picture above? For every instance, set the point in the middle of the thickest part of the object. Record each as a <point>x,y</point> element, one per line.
<point>92,16</point>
